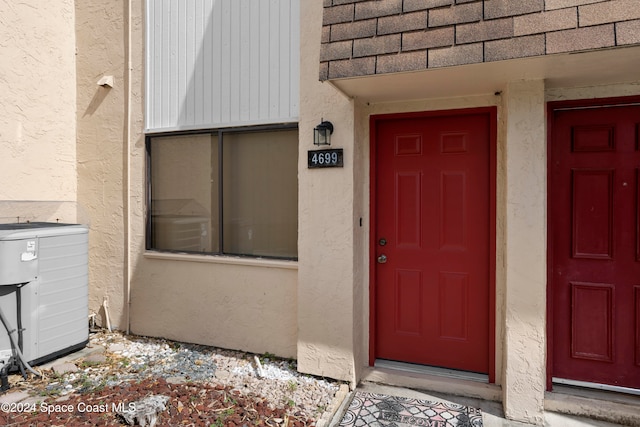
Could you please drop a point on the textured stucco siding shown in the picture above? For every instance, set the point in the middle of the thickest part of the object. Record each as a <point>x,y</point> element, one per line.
<point>195,299</point>
<point>525,248</point>
<point>363,37</point>
<point>37,108</point>
<point>102,113</point>
<point>328,232</point>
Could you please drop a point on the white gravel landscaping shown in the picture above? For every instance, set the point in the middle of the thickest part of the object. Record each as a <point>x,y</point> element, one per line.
<point>136,358</point>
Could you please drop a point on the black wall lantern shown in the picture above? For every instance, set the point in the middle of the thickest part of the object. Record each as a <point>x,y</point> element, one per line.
<point>322,133</point>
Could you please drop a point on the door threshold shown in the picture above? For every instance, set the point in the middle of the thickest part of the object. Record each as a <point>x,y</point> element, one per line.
<point>590,400</point>
<point>431,370</point>
<point>596,386</point>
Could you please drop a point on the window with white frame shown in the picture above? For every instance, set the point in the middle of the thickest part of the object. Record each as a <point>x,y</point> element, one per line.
<point>232,192</point>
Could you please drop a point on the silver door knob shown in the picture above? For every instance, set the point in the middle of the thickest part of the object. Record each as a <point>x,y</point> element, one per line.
<point>382,259</point>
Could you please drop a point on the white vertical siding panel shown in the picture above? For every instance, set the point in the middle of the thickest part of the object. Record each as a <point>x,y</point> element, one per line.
<point>149,64</point>
<point>294,58</point>
<point>216,63</point>
<point>274,58</point>
<point>225,64</point>
<point>216,71</point>
<point>234,62</point>
<point>180,62</point>
<point>254,66</point>
<point>153,110</point>
<point>163,13</point>
<point>284,60</point>
<point>188,102</point>
<point>198,78</point>
<point>174,66</point>
<point>173,60</point>
<point>245,60</point>
<point>264,59</point>
<point>207,61</point>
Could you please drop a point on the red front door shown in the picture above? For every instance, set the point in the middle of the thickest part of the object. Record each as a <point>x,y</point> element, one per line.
<point>432,246</point>
<point>594,219</point>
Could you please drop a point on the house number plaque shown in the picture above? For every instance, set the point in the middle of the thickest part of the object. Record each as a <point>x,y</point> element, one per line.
<point>325,158</point>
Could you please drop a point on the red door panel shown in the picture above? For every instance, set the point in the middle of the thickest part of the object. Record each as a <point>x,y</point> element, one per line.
<point>595,267</point>
<point>432,225</point>
<point>592,321</point>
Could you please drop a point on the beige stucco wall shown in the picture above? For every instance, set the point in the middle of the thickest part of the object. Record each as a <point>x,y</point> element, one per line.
<point>102,116</point>
<point>589,92</point>
<point>37,111</point>
<point>361,238</point>
<point>235,304</point>
<point>525,247</point>
<point>327,221</point>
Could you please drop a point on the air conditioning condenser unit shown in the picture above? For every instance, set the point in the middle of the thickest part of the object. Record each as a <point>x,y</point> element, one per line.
<point>44,289</point>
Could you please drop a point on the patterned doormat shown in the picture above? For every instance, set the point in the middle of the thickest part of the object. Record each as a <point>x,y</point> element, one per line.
<point>372,409</point>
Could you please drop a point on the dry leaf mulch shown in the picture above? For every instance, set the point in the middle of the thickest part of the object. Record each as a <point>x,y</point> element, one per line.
<point>190,404</point>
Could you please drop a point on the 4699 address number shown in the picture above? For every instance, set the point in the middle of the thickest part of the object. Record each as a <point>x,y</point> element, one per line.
<point>325,158</point>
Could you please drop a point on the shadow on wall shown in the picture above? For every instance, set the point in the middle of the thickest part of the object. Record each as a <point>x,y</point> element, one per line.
<point>96,101</point>
<point>63,211</point>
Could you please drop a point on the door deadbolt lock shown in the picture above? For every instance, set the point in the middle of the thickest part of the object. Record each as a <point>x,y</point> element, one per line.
<point>382,259</point>
<point>382,241</point>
